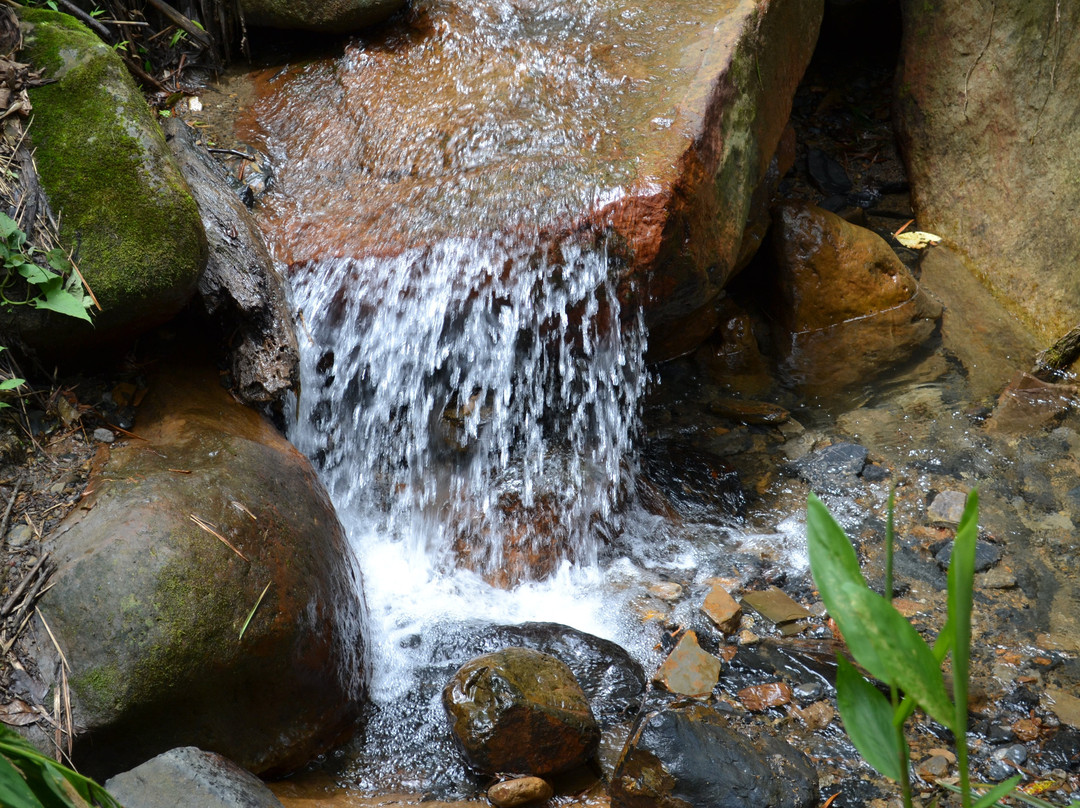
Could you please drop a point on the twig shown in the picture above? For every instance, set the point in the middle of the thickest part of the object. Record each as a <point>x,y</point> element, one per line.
<point>206,526</point>
<point>75,11</point>
<point>181,21</point>
<point>903,227</point>
<point>236,153</point>
<point>129,434</point>
<point>32,595</point>
<point>7,511</point>
<point>9,604</point>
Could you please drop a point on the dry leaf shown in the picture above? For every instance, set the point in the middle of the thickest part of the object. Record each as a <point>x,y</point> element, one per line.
<point>917,239</point>
<point>17,713</point>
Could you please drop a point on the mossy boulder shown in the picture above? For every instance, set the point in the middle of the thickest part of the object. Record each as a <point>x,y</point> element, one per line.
<point>108,173</point>
<point>205,594</point>
<point>326,16</point>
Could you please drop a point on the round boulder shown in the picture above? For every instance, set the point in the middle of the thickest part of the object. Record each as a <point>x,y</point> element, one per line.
<point>520,711</point>
<point>205,594</point>
<point>326,16</point>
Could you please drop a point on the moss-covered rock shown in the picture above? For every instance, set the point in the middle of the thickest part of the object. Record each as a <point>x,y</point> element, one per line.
<point>108,173</point>
<point>211,527</point>
<point>327,16</point>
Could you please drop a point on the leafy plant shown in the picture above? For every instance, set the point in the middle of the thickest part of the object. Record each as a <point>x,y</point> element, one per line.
<point>891,650</point>
<point>9,384</point>
<point>28,779</point>
<point>47,286</point>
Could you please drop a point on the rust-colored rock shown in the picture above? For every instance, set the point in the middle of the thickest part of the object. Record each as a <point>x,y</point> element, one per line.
<point>519,791</point>
<point>688,670</point>
<point>761,697</point>
<point>722,609</point>
<point>850,307</point>
<point>150,599</point>
<point>519,710</point>
<point>647,128</point>
<point>989,126</point>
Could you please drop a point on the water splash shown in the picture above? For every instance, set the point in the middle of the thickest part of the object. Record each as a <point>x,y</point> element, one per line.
<point>476,396</point>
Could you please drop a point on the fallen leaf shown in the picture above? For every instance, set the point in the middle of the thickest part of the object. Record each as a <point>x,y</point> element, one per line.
<point>917,239</point>
<point>17,713</point>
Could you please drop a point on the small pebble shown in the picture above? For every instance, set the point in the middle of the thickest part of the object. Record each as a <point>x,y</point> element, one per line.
<point>509,793</point>
<point>933,767</point>
<point>747,637</point>
<point>807,692</point>
<point>19,535</point>
<point>1015,752</point>
<point>1000,733</point>
<point>667,591</point>
<point>104,435</point>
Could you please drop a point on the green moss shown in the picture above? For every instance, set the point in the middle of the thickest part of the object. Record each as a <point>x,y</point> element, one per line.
<point>106,168</point>
<point>101,688</point>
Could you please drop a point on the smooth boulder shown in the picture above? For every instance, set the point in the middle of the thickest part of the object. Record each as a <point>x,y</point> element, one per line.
<point>694,757</point>
<point>325,16</point>
<point>187,777</point>
<point>122,203</point>
<point>520,711</point>
<point>205,594</point>
<point>989,128</point>
<point>848,305</point>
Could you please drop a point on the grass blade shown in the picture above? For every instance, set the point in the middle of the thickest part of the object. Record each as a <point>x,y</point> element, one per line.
<point>251,614</point>
<point>961,598</point>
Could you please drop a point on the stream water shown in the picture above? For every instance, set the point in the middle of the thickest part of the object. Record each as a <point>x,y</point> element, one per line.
<point>477,401</point>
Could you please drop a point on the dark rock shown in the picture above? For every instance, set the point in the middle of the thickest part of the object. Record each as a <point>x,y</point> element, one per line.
<point>827,174</point>
<point>986,555</point>
<point>335,17</point>
<point>692,477</point>
<point>833,467</point>
<point>693,757</point>
<point>149,600</point>
<point>807,692</point>
<point>188,777</point>
<point>521,711</point>
<point>1062,749</point>
<point>874,473</point>
<point>241,289</point>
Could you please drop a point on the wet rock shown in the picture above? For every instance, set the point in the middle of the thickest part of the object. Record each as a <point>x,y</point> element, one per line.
<point>874,473</point>
<point>188,777</point>
<point>775,605</point>
<point>518,710</point>
<point>211,520</point>
<point>933,767</point>
<point>692,756</point>
<point>996,579</point>
<point>1029,405</point>
<point>511,793</point>
<point>986,555</point>
<point>617,131</point>
<point>991,138</point>
<point>806,692</point>
<point>761,697</point>
<point>105,167</point>
<point>335,17</point>
<point>688,670</point>
<point>667,591</point>
<point>948,506</point>
<point>851,308</point>
<point>722,609</point>
<point>815,716</point>
<point>833,467</point>
<point>749,412</point>
<point>241,288</point>
<point>692,477</point>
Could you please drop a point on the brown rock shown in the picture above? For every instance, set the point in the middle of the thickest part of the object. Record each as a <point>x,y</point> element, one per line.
<point>647,131</point>
<point>1029,404</point>
<point>722,609</point>
<point>1027,729</point>
<point>162,564</point>
<point>510,793</point>
<point>989,126</point>
<point>815,716</point>
<point>760,697</point>
<point>849,304</point>
<point>518,710</point>
<point>688,670</point>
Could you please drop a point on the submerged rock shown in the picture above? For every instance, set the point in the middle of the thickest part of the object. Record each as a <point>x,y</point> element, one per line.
<point>205,593</point>
<point>689,670</point>
<point>521,711</point>
<point>188,777</point>
<point>106,170</point>
<point>692,756</point>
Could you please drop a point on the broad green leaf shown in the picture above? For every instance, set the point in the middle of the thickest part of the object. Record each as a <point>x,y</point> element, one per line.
<point>63,302</point>
<point>57,259</point>
<point>832,558</point>
<point>887,645</point>
<point>7,226</point>
<point>14,790</point>
<point>867,718</point>
<point>11,384</point>
<point>1000,791</point>
<point>961,595</point>
<point>35,274</point>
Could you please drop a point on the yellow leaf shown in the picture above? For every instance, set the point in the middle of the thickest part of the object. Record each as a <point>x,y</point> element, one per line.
<point>917,240</point>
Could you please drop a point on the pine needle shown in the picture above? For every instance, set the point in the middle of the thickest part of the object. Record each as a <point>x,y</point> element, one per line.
<point>251,614</point>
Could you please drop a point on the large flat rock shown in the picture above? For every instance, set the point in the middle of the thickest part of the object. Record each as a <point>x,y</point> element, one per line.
<point>647,127</point>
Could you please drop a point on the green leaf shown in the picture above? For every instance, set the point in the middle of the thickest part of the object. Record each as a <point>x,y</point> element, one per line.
<point>14,790</point>
<point>867,718</point>
<point>7,226</point>
<point>11,384</point>
<point>63,302</point>
<point>35,274</point>
<point>57,259</point>
<point>830,551</point>
<point>1000,791</point>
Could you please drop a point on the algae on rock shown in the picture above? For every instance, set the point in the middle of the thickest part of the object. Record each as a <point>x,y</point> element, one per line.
<point>123,205</point>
